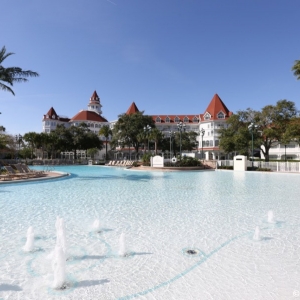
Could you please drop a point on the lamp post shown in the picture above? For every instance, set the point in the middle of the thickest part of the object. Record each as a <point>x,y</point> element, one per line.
<point>171,135</point>
<point>202,131</point>
<point>147,130</point>
<point>285,152</point>
<point>18,141</point>
<point>180,127</point>
<point>251,127</point>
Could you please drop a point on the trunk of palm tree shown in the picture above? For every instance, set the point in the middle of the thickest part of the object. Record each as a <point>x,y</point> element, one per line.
<point>106,149</point>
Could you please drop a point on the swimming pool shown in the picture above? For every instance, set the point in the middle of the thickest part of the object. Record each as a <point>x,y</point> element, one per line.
<point>163,214</point>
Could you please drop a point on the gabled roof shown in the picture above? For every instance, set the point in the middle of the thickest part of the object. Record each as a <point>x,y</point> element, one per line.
<point>87,115</point>
<point>215,106</point>
<point>51,112</point>
<point>132,109</point>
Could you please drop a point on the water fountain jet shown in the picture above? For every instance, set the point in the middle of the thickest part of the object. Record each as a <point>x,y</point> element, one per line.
<point>30,240</point>
<point>122,248</point>
<point>256,236</point>
<point>271,218</point>
<point>59,268</point>
<point>97,225</point>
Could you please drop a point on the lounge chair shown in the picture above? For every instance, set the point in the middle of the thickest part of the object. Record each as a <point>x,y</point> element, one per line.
<point>33,172</point>
<point>5,177</point>
<point>12,172</point>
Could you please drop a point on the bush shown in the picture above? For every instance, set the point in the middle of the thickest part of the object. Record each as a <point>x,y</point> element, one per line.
<point>225,167</point>
<point>188,162</point>
<point>263,169</point>
<point>146,159</point>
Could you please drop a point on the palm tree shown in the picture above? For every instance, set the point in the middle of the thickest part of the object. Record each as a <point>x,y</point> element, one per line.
<point>31,138</point>
<point>157,136</point>
<point>106,132</point>
<point>10,75</point>
<point>296,69</point>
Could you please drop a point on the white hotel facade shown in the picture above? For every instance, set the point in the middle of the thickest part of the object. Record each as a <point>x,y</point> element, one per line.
<point>206,125</point>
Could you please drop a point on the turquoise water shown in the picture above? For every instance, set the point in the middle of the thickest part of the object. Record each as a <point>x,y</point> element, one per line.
<point>162,214</point>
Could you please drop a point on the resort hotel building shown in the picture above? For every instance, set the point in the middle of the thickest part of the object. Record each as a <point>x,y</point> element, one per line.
<point>206,125</point>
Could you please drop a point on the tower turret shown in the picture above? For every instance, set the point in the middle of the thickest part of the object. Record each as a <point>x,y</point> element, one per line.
<point>94,104</point>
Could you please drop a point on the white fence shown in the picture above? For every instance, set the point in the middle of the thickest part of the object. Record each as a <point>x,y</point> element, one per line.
<point>275,166</point>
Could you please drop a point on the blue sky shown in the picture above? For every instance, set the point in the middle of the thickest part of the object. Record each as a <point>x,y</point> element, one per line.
<point>168,56</point>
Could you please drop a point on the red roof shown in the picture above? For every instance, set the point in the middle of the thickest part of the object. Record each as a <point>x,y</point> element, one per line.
<point>51,113</point>
<point>95,98</point>
<point>216,106</point>
<point>163,118</point>
<point>132,109</point>
<point>86,115</point>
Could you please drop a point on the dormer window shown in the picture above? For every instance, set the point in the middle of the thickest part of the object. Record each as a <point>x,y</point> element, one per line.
<point>195,120</point>
<point>53,116</point>
<point>167,120</point>
<point>221,115</point>
<point>157,120</point>
<point>207,116</point>
<point>176,120</point>
<point>185,119</point>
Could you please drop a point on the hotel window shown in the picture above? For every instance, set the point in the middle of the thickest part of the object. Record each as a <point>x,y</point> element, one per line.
<point>167,120</point>
<point>185,119</point>
<point>207,116</point>
<point>216,143</point>
<point>176,120</point>
<point>158,120</point>
<point>221,115</point>
<point>211,143</point>
<point>47,123</point>
<point>195,120</point>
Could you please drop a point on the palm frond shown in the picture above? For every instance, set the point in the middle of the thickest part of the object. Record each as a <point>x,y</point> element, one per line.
<point>6,88</point>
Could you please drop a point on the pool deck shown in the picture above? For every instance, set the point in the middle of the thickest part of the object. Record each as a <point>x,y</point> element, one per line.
<point>46,176</point>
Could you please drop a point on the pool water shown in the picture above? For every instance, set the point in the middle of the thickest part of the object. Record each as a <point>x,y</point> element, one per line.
<point>164,215</point>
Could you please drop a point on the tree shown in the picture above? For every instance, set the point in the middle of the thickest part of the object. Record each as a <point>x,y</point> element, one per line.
<point>128,127</point>
<point>296,69</point>
<point>30,138</point>
<point>272,123</point>
<point>188,141</point>
<point>106,132</point>
<point>156,136</point>
<point>10,75</point>
<point>91,152</point>
<point>235,137</point>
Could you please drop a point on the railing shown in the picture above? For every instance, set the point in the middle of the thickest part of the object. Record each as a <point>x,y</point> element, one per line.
<point>275,166</point>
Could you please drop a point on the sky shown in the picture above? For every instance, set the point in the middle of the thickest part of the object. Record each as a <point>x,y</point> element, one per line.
<point>168,56</point>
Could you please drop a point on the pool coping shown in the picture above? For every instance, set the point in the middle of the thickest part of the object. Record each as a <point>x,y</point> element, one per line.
<point>49,175</point>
